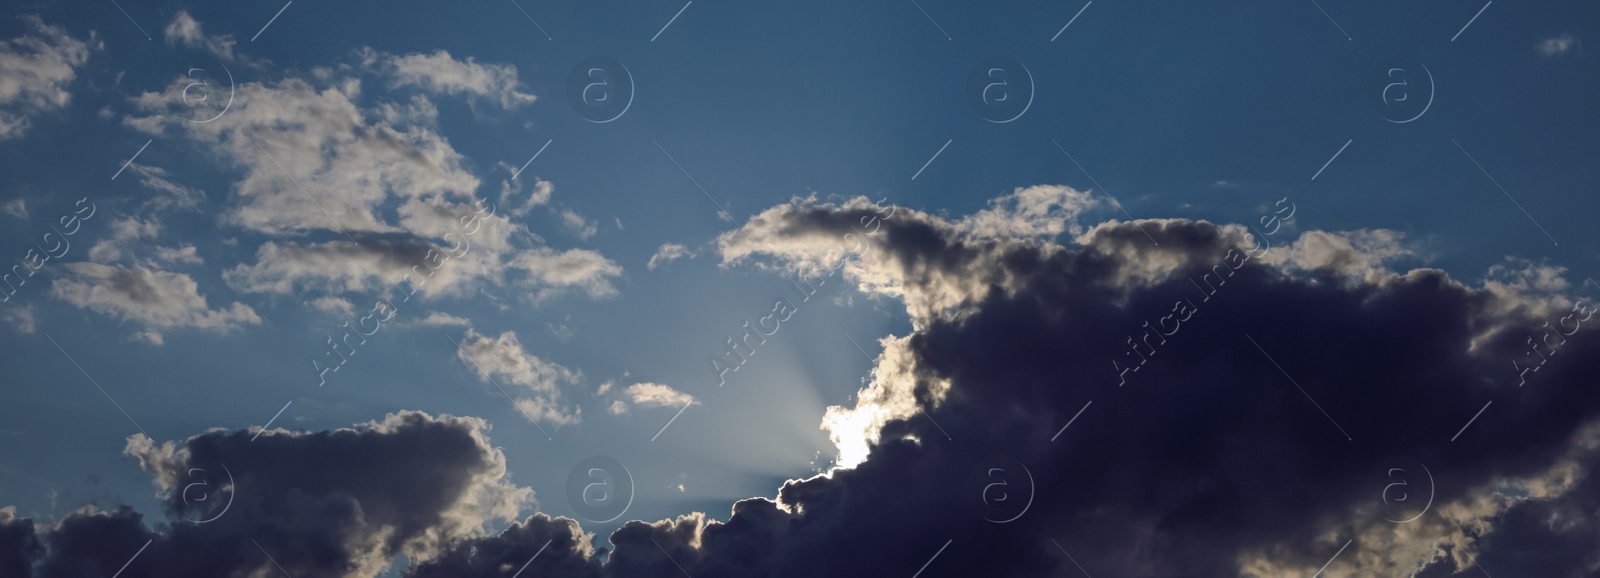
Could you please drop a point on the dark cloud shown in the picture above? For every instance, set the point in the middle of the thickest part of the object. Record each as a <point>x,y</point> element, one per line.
<point>1209,461</point>
<point>335,503</point>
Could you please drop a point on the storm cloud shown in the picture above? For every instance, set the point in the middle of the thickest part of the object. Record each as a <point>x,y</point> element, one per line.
<point>1260,435</point>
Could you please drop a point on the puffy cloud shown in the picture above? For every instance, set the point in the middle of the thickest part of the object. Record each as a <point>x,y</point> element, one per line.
<point>184,30</point>
<point>647,394</point>
<point>580,226</point>
<point>1557,45</point>
<point>184,255</point>
<point>553,272</point>
<point>35,70</point>
<point>667,253</point>
<point>439,72</point>
<point>1036,211</point>
<point>332,503</point>
<point>538,195</point>
<point>1207,462</point>
<point>505,357</point>
<point>157,300</point>
<point>441,319</point>
<point>1360,255</point>
<point>313,159</point>
<point>319,159</point>
<point>124,232</point>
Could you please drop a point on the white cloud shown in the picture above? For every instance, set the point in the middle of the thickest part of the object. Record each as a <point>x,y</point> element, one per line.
<point>124,232</point>
<point>184,255</point>
<point>185,30</point>
<point>17,208</point>
<point>35,71</point>
<point>21,317</point>
<point>1358,255</point>
<point>668,253</point>
<point>542,381</point>
<point>1036,211</point>
<point>333,305</point>
<point>538,195</point>
<point>657,395</point>
<point>158,300</point>
<point>313,159</point>
<point>440,319</point>
<point>584,228</point>
<point>439,72</point>
<point>551,272</point>
<point>316,159</point>
<point>1557,45</point>
<point>173,194</point>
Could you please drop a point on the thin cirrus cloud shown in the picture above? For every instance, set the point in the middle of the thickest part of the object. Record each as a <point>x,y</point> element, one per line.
<point>1012,339</point>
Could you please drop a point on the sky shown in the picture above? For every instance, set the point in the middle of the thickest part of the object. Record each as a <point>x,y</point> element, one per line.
<point>735,289</point>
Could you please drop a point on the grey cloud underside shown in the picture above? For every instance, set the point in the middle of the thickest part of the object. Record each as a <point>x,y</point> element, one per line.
<point>1208,462</point>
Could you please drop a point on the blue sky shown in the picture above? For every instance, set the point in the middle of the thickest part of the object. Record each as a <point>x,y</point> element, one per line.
<point>1178,110</point>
